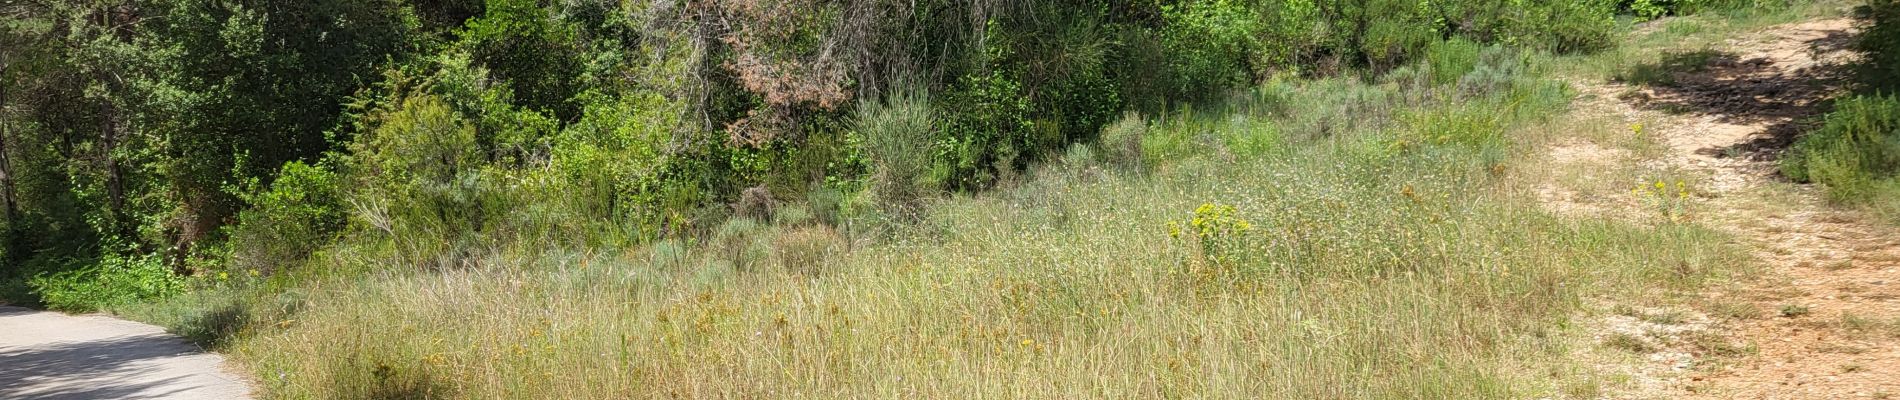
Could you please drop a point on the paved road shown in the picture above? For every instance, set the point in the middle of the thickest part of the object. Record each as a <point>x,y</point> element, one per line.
<point>48,355</point>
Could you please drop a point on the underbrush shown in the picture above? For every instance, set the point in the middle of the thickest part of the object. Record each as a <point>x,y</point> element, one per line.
<point>110,281</point>
<point>1855,155</point>
<point>1334,239</point>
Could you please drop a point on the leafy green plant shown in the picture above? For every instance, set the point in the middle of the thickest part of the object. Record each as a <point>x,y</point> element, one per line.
<point>1451,59</point>
<point>1209,42</point>
<point>108,281</point>
<point>299,213</point>
<point>989,131</point>
<point>1649,9</point>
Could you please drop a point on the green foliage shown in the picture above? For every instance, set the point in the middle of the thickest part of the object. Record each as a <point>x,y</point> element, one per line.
<point>1880,42</point>
<point>620,163</point>
<point>424,178</point>
<point>1649,9</point>
<point>1653,9</point>
<point>1208,43</point>
<point>109,281</point>
<point>534,53</point>
<point>298,214</point>
<point>1856,154</point>
<point>988,131</point>
<point>1450,60</point>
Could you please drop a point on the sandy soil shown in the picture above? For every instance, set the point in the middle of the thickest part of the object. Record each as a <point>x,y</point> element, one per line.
<point>48,355</point>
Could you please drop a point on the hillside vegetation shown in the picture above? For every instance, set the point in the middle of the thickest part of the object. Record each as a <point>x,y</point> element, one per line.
<point>843,199</point>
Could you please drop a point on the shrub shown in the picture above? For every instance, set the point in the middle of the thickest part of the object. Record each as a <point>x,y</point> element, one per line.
<point>1452,59</point>
<point>423,157</point>
<point>1217,231</point>
<point>1496,70</point>
<point>988,131</point>
<point>111,280</point>
<point>1856,152</point>
<point>299,214</point>
<point>755,202</point>
<point>898,136</point>
<point>1652,9</point>
<point>1208,43</point>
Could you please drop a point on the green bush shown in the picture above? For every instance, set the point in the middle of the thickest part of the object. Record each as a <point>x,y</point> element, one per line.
<point>1450,60</point>
<point>989,131</point>
<point>535,54</point>
<point>1856,155</point>
<point>109,281</point>
<point>300,213</point>
<point>1207,42</point>
<point>1653,9</point>
<point>1497,69</point>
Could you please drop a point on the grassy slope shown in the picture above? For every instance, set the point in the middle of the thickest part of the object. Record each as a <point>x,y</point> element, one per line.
<point>1396,252</point>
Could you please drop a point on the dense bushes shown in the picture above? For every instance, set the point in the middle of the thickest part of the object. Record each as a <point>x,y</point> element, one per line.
<point>297,215</point>
<point>432,130</point>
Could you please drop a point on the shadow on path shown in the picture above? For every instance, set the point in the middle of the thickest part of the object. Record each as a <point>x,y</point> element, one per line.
<point>1754,91</point>
<point>46,356</point>
<point>97,365</point>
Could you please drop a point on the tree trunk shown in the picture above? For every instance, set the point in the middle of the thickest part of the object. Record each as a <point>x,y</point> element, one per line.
<point>108,144</point>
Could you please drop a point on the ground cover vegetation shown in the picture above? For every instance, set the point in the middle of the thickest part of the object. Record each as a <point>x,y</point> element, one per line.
<point>833,199</point>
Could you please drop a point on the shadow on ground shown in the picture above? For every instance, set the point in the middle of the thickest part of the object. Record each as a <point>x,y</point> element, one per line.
<point>101,369</point>
<point>1744,92</point>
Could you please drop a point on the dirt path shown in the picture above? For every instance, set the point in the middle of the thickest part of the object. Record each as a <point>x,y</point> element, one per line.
<point>46,355</point>
<point>1823,322</point>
